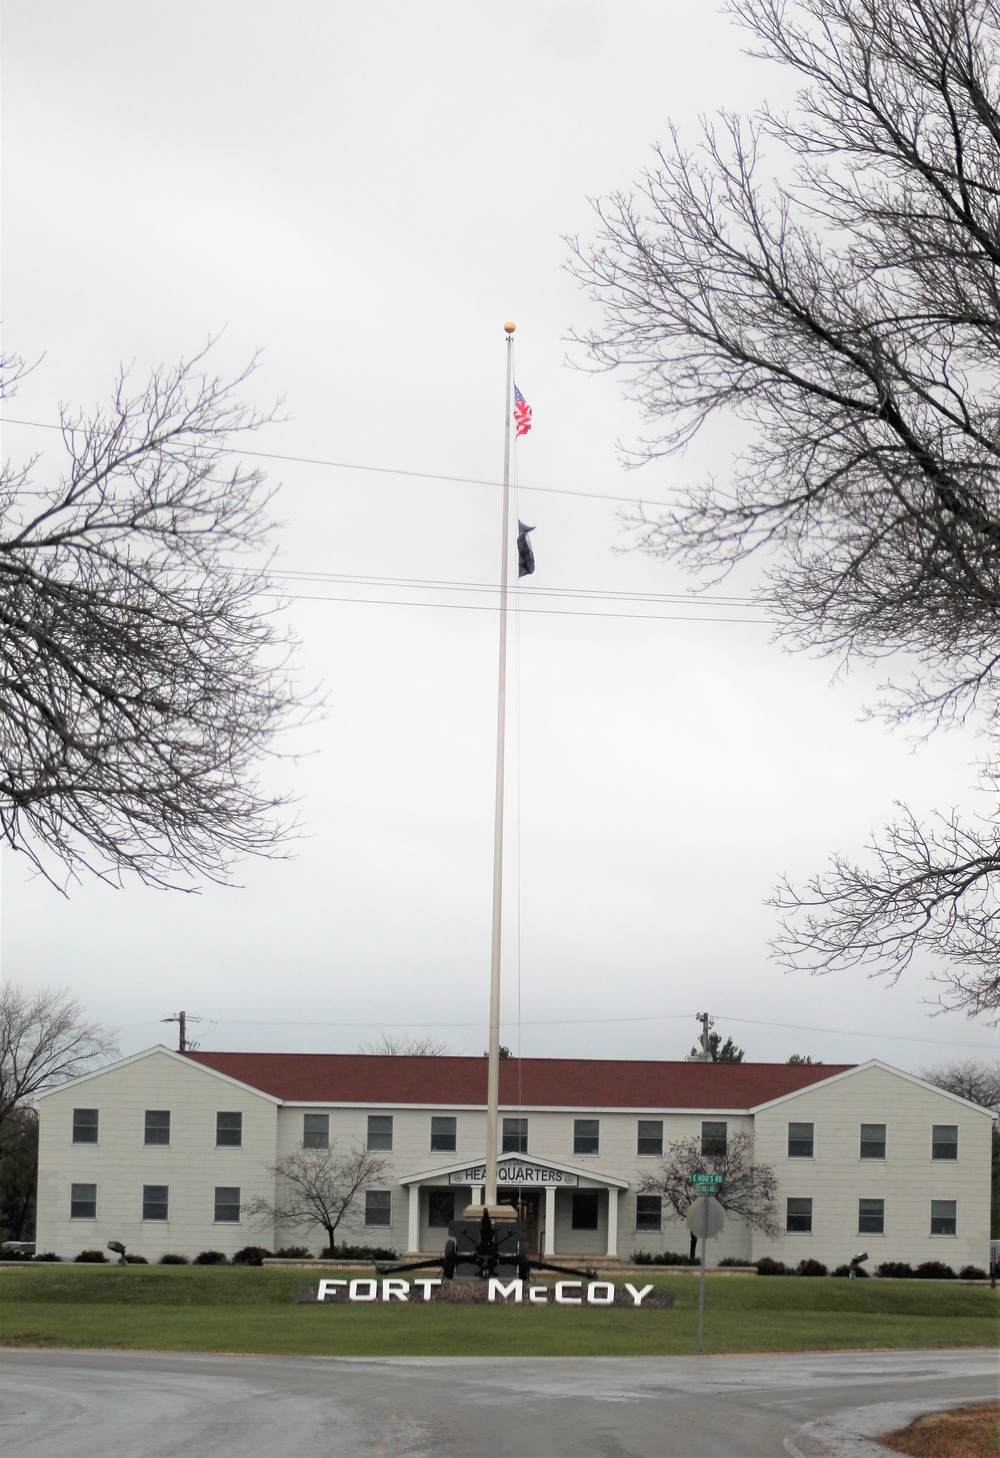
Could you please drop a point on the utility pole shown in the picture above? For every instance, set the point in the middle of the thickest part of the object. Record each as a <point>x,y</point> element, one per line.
<point>180,1018</point>
<point>706,1023</point>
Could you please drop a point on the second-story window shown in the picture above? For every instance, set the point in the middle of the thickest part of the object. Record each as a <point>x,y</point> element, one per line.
<point>315,1131</point>
<point>514,1136</point>
<point>379,1131</point>
<point>157,1126</point>
<point>228,1131</point>
<point>85,1124</point>
<point>650,1137</point>
<point>714,1140</point>
<point>444,1133</point>
<point>800,1141</point>
<point>944,1141</point>
<point>873,1141</point>
<point>586,1136</point>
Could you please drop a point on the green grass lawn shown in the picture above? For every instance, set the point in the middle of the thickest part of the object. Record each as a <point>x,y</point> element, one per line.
<point>212,1309</point>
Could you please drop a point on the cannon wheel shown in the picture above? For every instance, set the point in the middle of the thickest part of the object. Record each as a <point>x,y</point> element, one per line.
<point>523,1261</point>
<point>450,1259</point>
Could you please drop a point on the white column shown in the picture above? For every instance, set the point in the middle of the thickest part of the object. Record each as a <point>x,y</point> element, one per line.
<point>413,1234</point>
<point>477,1194</point>
<point>550,1221</point>
<point>612,1222</point>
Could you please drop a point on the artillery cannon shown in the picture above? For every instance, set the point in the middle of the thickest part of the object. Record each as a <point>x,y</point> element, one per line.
<point>483,1247</point>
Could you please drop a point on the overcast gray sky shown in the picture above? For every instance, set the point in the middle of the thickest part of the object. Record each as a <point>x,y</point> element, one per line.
<point>367,192</point>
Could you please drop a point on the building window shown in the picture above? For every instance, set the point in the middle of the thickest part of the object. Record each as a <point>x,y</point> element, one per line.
<point>650,1140</point>
<point>713,1138</point>
<point>315,1131</point>
<point>229,1131</point>
<point>871,1217</point>
<point>944,1141</point>
<point>379,1131</point>
<point>378,1207</point>
<point>444,1133</point>
<point>800,1141</point>
<point>873,1141</point>
<point>798,1216</point>
<point>514,1137</point>
<point>83,1202</point>
<point>157,1129</point>
<point>85,1126</point>
<point>440,1209</point>
<point>585,1209</point>
<point>944,1217</point>
<point>586,1136</point>
<point>227,1204</point>
<point>155,1201</point>
<point>648,1212</point>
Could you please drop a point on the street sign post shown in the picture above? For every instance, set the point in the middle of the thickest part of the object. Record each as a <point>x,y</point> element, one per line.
<point>705,1219</point>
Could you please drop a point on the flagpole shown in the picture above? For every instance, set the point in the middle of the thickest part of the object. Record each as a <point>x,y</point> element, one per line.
<point>493,1079</point>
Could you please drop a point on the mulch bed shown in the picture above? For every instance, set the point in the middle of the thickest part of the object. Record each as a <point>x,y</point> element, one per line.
<point>474,1293</point>
<point>965,1432</point>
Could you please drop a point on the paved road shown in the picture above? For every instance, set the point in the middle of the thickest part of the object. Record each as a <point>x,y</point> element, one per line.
<point>147,1405</point>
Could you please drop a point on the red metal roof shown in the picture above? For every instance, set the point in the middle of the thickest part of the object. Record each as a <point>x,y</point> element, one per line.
<point>593,1083</point>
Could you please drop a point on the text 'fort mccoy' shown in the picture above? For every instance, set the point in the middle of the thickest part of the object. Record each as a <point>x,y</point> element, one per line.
<point>494,1291</point>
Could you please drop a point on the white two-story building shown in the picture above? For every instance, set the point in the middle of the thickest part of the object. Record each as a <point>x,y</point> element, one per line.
<point>165,1151</point>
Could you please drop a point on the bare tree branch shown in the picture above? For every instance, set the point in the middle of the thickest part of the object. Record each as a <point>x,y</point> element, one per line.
<point>406,1046</point>
<point>847,310</point>
<point>44,1041</point>
<point>748,1191</point>
<point>142,676</point>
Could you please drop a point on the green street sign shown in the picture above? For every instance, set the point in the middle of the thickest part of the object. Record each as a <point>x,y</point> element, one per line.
<point>712,1180</point>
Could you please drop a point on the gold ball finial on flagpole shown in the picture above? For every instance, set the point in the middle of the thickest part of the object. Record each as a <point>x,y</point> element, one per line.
<point>510,326</point>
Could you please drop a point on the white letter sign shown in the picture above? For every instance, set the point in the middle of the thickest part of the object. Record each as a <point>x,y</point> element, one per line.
<point>513,1288</point>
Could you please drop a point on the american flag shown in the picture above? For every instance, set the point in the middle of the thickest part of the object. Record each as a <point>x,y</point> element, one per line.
<point>522,413</point>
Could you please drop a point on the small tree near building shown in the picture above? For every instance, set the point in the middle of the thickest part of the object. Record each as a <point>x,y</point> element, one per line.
<point>318,1188</point>
<point>748,1190</point>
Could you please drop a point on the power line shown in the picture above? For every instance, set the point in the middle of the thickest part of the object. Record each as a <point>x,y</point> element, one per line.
<point>451,585</point>
<point>482,607</point>
<point>572,1022</point>
<point>396,471</point>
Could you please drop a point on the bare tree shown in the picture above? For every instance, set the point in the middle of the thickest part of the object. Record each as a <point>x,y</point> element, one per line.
<point>850,317</point>
<point>44,1041</point>
<point>141,672</point>
<point>407,1047</point>
<point>977,1082</point>
<point>318,1187</point>
<point>748,1191</point>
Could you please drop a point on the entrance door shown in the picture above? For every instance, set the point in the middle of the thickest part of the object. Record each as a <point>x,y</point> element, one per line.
<point>528,1204</point>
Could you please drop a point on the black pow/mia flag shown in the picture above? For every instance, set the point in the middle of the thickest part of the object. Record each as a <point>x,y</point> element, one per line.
<point>525,556</point>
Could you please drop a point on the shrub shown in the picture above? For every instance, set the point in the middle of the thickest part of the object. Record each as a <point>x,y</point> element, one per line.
<point>972,1273</point>
<point>895,1270</point>
<point>810,1267</point>
<point>210,1258</point>
<point>48,1255</point>
<point>663,1258</point>
<point>860,1272</point>
<point>293,1253</point>
<point>91,1258</point>
<point>250,1255</point>
<point>172,1260</point>
<point>734,1261</point>
<point>135,1260</point>
<point>935,1271</point>
<point>358,1253</point>
<point>768,1267</point>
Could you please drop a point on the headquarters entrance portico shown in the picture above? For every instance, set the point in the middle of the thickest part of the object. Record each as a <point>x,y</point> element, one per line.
<point>568,1210</point>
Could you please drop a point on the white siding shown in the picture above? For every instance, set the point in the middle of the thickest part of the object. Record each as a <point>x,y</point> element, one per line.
<point>908,1179</point>
<point>121,1163</point>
